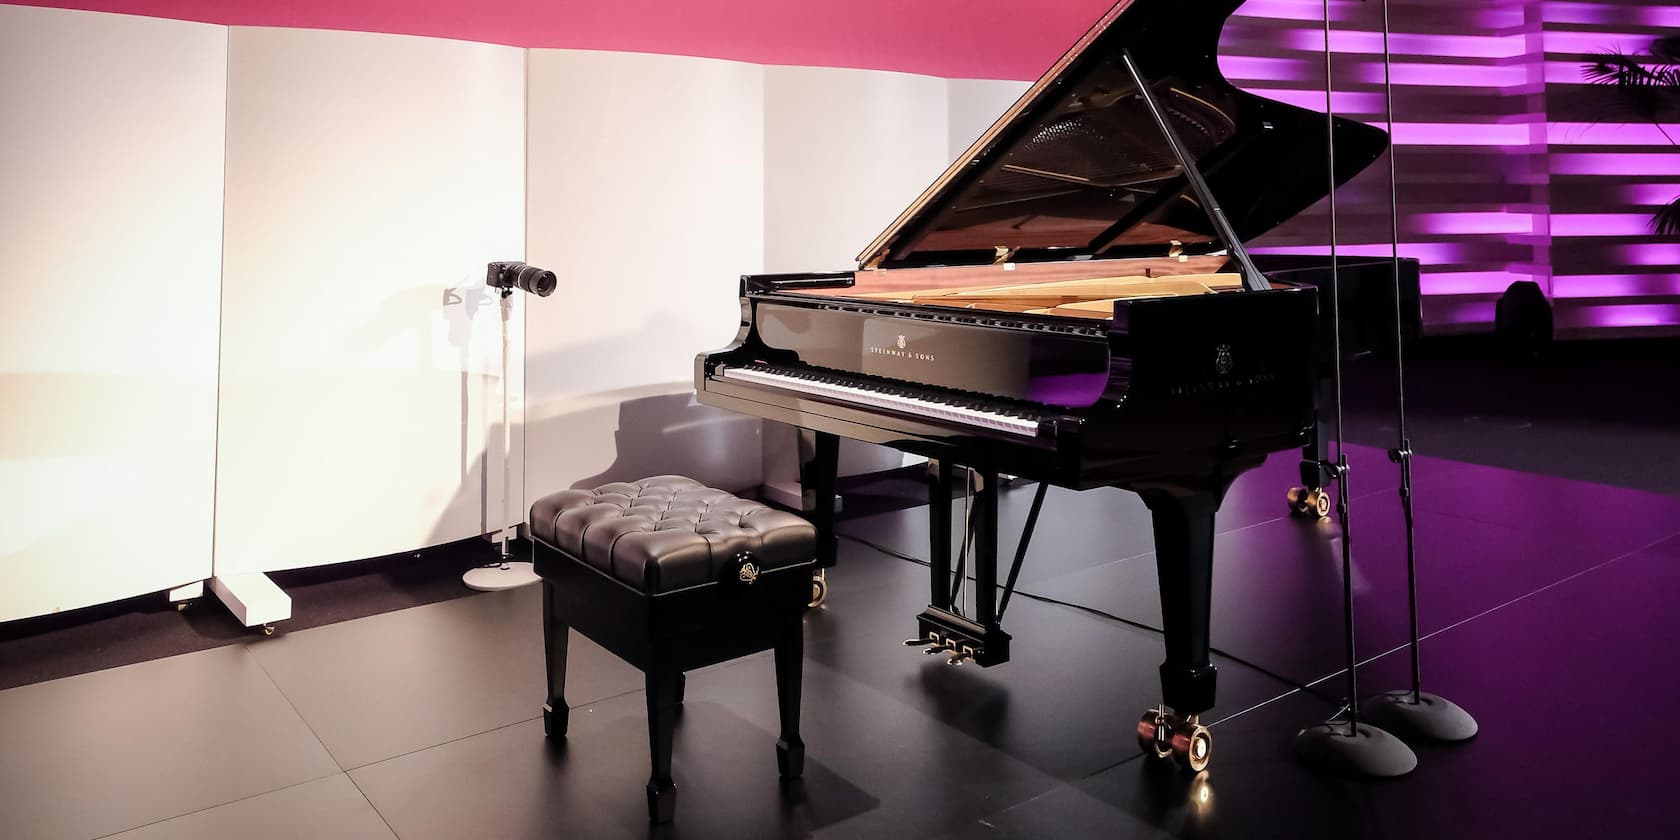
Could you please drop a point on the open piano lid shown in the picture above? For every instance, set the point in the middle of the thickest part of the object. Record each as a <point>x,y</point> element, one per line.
<point>1078,167</point>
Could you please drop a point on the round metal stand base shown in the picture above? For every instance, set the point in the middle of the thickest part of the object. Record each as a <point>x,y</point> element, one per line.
<point>1368,753</point>
<point>1431,718</point>
<point>509,575</point>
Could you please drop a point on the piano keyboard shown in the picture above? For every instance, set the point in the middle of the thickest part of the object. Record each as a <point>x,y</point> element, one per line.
<point>954,408</point>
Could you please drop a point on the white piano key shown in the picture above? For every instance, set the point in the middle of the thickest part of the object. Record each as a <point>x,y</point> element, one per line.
<point>896,402</point>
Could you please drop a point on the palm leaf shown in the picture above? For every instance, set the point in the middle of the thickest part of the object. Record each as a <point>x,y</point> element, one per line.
<point>1666,220</point>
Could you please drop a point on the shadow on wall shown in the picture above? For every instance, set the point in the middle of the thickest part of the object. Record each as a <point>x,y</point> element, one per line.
<point>668,433</point>
<point>631,434</point>
<point>596,439</point>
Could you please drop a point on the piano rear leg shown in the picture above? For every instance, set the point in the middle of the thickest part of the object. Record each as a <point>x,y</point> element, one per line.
<point>1183,522</point>
<point>819,471</point>
<point>1310,499</point>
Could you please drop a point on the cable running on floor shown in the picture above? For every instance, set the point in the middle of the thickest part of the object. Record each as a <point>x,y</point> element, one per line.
<point>1297,685</point>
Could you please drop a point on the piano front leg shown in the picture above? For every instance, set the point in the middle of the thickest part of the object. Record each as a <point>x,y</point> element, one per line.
<point>819,476</point>
<point>939,535</point>
<point>1183,519</point>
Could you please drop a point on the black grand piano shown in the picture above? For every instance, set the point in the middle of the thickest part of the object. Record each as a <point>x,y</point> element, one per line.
<point>1071,303</point>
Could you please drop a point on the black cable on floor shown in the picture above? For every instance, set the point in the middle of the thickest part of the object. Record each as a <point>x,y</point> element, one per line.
<point>1292,683</point>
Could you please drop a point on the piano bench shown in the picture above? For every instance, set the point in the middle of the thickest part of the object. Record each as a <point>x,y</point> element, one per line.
<point>671,575</point>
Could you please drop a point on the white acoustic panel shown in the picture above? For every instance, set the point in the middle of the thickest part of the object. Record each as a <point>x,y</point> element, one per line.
<point>646,197</point>
<point>974,105</point>
<point>845,152</point>
<point>111,195</point>
<point>370,178</point>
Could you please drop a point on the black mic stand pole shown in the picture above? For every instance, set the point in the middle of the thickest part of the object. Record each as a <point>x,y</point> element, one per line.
<point>1354,748</point>
<point>1412,714</point>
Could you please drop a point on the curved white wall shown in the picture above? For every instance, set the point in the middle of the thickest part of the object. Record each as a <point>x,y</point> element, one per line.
<point>368,179</point>
<point>111,192</point>
<point>367,175</point>
<point>646,183</point>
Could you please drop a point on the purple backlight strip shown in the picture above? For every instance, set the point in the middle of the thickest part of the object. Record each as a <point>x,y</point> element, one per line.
<point>1608,14</point>
<point>1498,178</point>
<point>1405,44</point>
<point>1614,285</point>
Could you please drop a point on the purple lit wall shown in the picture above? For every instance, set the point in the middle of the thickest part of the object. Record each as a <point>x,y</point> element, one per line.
<point>1509,167</point>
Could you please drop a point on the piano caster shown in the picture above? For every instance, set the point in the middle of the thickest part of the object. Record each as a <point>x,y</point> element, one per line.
<point>1162,734</point>
<point>268,629</point>
<point>1154,734</point>
<point>819,588</point>
<point>1313,503</point>
<point>1192,745</point>
<point>181,606</point>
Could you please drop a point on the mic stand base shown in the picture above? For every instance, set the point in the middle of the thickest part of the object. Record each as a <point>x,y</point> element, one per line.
<point>1420,717</point>
<point>509,574</point>
<point>1363,752</point>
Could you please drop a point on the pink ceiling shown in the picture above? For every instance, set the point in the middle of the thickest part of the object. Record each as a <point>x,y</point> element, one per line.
<point>1000,39</point>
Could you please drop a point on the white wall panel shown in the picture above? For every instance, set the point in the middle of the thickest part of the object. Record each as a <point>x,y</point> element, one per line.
<point>646,197</point>
<point>367,176</point>
<point>111,195</point>
<point>974,105</point>
<point>845,152</point>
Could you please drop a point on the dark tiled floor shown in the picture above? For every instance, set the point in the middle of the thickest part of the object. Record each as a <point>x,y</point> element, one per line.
<point>1548,622</point>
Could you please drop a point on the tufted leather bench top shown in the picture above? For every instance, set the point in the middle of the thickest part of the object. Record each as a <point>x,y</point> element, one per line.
<point>668,532</point>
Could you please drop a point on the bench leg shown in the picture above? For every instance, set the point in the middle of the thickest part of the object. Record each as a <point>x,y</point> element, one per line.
<point>790,662</point>
<point>555,636</point>
<point>662,706</point>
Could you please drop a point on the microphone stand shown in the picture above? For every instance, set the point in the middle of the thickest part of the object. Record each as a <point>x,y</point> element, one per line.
<point>506,573</point>
<point>1356,748</point>
<point>1413,714</point>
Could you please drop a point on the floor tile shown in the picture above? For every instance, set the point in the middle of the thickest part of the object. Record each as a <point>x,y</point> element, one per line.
<point>874,768</point>
<point>1277,587</point>
<point>325,809</point>
<point>1619,519</point>
<point>1066,703</point>
<point>388,684</point>
<point>1065,812</point>
<point>1574,713</point>
<point>98,753</point>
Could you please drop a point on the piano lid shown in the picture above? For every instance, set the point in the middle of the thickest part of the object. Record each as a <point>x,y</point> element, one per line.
<point>1078,167</point>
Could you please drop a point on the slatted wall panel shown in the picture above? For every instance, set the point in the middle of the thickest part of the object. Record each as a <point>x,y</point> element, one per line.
<point>1611,275</point>
<point>1469,134</point>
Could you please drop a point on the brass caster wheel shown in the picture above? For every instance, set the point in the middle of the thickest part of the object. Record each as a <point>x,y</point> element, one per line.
<point>268,629</point>
<point>1192,745</point>
<point>1154,734</point>
<point>1312,503</point>
<point>181,606</point>
<point>819,588</point>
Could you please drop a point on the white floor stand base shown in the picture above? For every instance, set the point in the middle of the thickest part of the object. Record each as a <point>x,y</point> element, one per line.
<point>510,574</point>
<point>253,599</point>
